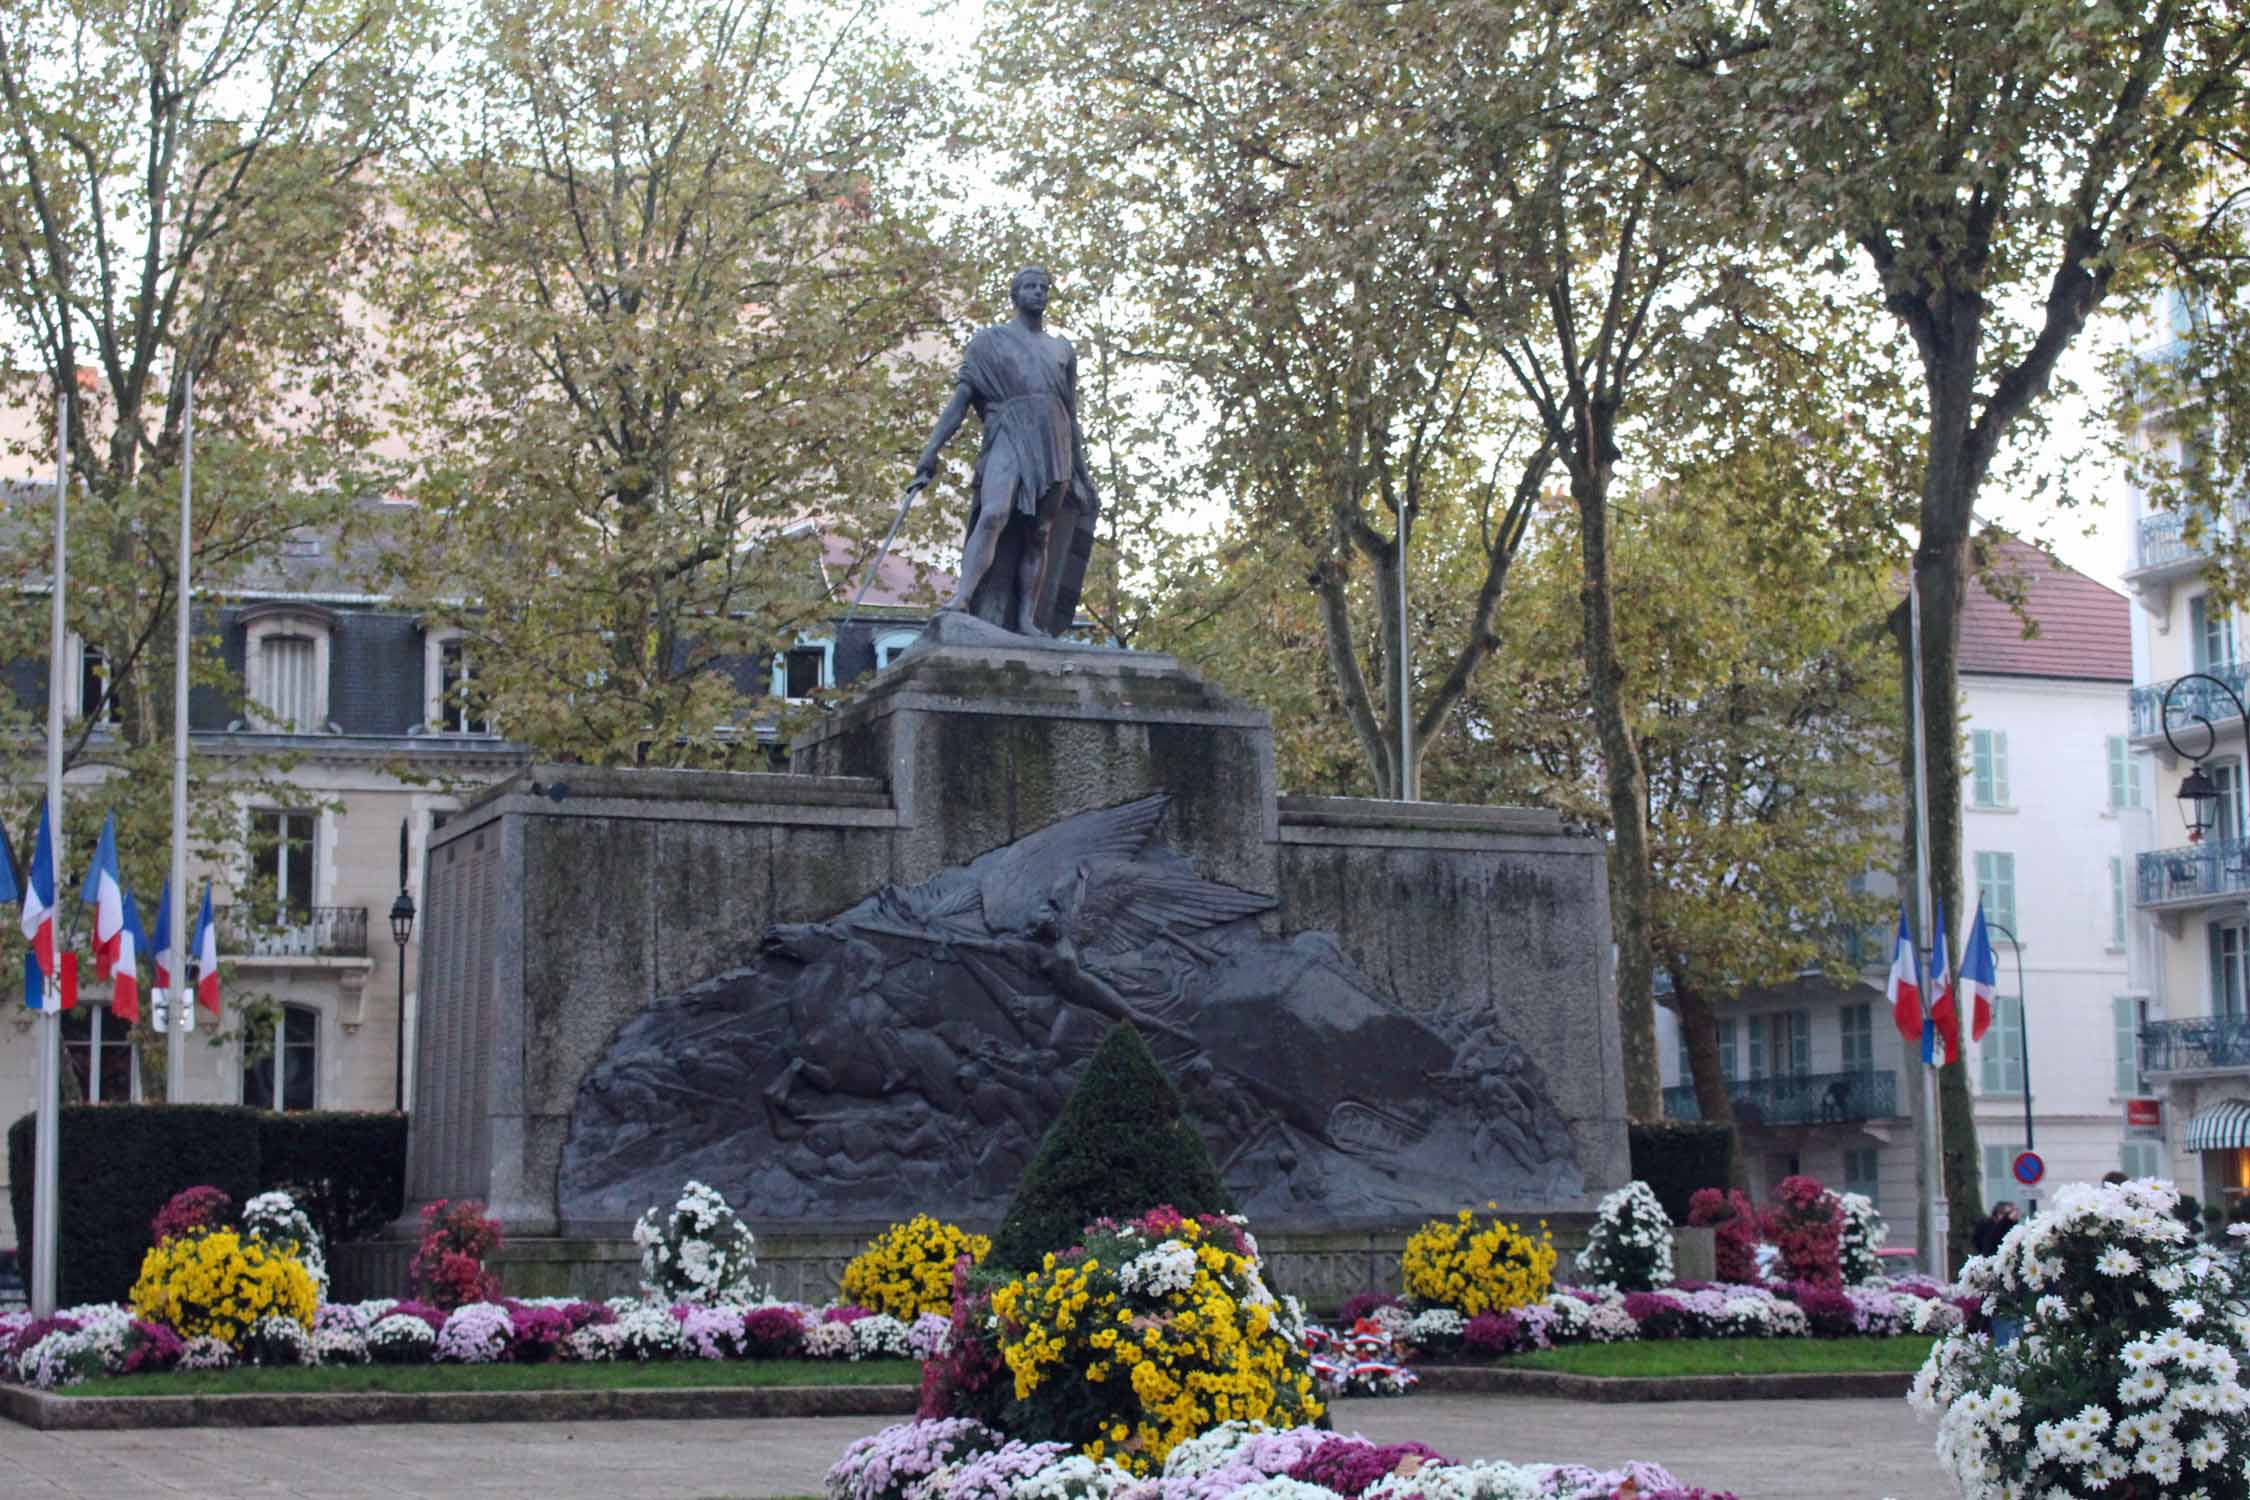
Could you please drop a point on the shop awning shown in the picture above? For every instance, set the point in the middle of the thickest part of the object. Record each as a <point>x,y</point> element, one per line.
<point>2220,1127</point>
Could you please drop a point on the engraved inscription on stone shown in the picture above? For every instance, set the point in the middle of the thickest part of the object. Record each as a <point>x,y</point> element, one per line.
<point>908,1054</point>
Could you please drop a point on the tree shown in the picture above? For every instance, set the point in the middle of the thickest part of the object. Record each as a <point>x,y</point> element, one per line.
<point>660,316</point>
<point>1123,1146</point>
<point>1760,689</point>
<point>2003,169</point>
<point>184,187</point>
<point>1222,176</point>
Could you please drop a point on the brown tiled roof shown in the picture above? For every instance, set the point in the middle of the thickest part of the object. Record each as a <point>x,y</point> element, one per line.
<point>2084,628</point>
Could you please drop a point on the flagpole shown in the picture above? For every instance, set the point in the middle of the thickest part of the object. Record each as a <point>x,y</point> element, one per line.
<point>177,1017</point>
<point>1929,1164</point>
<point>46,1179</point>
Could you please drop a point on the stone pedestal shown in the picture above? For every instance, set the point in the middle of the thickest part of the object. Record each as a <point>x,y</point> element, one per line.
<point>662,941</point>
<point>985,742</point>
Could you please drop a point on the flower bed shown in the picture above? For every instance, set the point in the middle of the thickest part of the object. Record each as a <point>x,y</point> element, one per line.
<point>81,1343</point>
<point>959,1459</point>
<point>1684,1310</point>
<point>2124,1372</point>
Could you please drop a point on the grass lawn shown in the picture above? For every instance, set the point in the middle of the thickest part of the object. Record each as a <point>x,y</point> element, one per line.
<point>420,1379</point>
<point>1731,1356</point>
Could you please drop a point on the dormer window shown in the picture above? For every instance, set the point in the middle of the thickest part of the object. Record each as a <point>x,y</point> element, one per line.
<point>451,702</point>
<point>804,669</point>
<point>88,677</point>
<point>285,667</point>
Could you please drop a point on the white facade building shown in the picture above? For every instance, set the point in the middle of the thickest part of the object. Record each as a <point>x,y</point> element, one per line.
<point>1823,1082</point>
<point>2191,890</point>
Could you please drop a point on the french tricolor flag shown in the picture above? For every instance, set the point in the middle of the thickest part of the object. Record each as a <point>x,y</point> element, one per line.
<point>1941,1030</point>
<point>104,891</point>
<point>1982,974</point>
<point>207,956</point>
<point>1905,987</point>
<point>39,899</point>
<point>125,965</point>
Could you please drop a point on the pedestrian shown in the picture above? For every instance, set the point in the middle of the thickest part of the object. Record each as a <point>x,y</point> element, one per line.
<point>1993,1228</point>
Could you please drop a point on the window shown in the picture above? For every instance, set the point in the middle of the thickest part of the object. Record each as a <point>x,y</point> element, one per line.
<point>2226,819</point>
<point>2116,901</point>
<point>1679,1056</point>
<point>287,661</point>
<point>1800,1041</point>
<point>891,645</point>
<point>1863,1173</point>
<point>97,698</point>
<point>2142,1159</point>
<point>1726,1051</point>
<point>1857,1023</point>
<point>804,669</point>
<point>2227,976</point>
<point>2127,1015</point>
<point>2001,1051</point>
<point>460,708</point>
<point>98,1050</point>
<point>2124,774</point>
<point>281,873</point>
<point>1996,888</point>
<point>2000,1183</point>
<point>285,666</point>
<point>290,1084</point>
<point>2210,634</point>
<point>1757,1046</point>
<point>1988,758</point>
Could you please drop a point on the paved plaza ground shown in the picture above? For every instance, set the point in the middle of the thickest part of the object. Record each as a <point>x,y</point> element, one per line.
<point>1762,1450</point>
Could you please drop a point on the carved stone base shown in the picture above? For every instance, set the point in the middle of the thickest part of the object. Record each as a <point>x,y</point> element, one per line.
<point>984,736</point>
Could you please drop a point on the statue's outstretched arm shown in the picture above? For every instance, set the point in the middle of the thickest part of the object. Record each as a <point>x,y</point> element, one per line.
<point>948,423</point>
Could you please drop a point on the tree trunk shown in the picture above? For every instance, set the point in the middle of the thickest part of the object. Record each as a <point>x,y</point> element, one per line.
<point>1632,891</point>
<point>1941,569</point>
<point>1699,1023</point>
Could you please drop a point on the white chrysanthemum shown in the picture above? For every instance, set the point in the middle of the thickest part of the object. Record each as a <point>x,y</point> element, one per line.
<point>2141,1387</point>
<point>2116,1261</point>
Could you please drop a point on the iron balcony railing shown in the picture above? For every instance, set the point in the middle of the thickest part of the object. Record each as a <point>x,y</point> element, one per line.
<point>306,932</point>
<point>2209,871</point>
<point>2194,700</point>
<point>2192,1046</point>
<point>2164,541</point>
<point>1799,1098</point>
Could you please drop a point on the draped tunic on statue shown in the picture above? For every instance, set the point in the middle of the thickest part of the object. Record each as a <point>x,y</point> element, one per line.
<point>1024,388</point>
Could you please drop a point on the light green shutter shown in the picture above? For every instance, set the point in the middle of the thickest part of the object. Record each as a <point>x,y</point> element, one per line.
<point>2124,1025</point>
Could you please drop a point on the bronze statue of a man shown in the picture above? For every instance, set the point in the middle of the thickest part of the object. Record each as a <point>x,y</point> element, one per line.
<point>1032,511</point>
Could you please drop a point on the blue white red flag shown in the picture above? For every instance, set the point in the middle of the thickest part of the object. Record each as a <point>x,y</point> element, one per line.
<point>104,891</point>
<point>1941,1029</point>
<point>207,956</point>
<point>1981,974</point>
<point>39,898</point>
<point>125,964</point>
<point>1905,989</point>
<point>160,946</point>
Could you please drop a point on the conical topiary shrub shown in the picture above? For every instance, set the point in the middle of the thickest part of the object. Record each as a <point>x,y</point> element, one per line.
<point>1123,1145</point>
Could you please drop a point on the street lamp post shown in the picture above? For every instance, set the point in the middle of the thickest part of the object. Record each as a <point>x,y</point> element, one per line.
<point>402,931</point>
<point>2199,795</point>
<point>2023,1044</point>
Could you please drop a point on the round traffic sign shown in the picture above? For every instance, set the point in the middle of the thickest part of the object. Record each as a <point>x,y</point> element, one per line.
<point>2029,1168</point>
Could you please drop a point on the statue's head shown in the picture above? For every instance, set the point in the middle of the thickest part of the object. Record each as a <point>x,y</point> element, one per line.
<point>1028,291</point>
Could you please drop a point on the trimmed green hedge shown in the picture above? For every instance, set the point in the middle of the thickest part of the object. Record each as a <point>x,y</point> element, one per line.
<point>1123,1146</point>
<point>122,1162</point>
<point>1675,1157</point>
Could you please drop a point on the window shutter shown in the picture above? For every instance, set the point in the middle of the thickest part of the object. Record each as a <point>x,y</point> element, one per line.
<point>2126,1034</point>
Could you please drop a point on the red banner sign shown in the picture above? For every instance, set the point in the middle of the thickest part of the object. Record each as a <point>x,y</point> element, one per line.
<point>2148,1112</point>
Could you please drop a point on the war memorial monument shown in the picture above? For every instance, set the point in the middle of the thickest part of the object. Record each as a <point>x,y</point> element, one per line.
<point>861,989</point>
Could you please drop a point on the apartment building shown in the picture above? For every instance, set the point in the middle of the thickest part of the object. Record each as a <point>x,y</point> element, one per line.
<point>1822,1082</point>
<point>2190,987</point>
